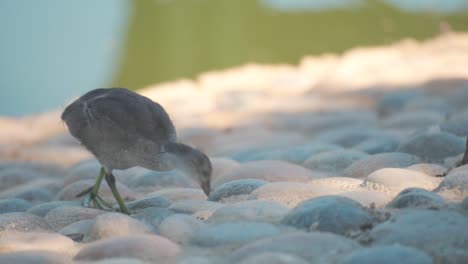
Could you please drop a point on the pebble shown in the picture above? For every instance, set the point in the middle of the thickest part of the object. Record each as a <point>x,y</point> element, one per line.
<point>317,247</point>
<point>34,257</point>
<point>454,186</point>
<point>153,216</point>
<point>22,241</point>
<point>199,209</point>
<point>220,166</point>
<point>29,192</point>
<point>14,176</point>
<point>234,189</point>
<point>394,101</point>
<point>368,198</point>
<point>154,201</point>
<point>334,162</point>
<point>446,231</point>
<point>434,170</point>
<point>433,146</point>
<point>413,120</point>
<point>273,258</point>
<point>388,255</point>
<point>295,154</point>
<point>109,225</point>
<point>347,137</point>
<point>396,180</point>
<point>70,192</point>
<point>84,170</point>
<point>290,194</point>
<point>378,144</point>
<point>65,215</point>
<point>43,208</point>
<point>14,205</point>
<point>77,230</point>
<point>267,170</point>
<point>259,211</point>
<point>417,198</point>
<point>362,168</point>
<point>234,233</point>
<point>179,194</point>
<point>333,214</point>
<point>156,180</point>
<point>179,227</point>
<point>23,222</point>
<point>149,248</point>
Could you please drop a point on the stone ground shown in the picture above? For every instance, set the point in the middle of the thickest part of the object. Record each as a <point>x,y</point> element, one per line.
<point>341,159</point>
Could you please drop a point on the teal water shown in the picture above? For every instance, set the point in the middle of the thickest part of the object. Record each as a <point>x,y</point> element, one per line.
<point>53,50</point>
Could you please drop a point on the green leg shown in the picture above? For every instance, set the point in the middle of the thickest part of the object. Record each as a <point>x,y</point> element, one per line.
<point>111,182</point>
<point>92,193</point>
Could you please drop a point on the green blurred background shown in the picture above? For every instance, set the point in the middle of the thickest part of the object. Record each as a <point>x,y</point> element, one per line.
<point>54,50</point>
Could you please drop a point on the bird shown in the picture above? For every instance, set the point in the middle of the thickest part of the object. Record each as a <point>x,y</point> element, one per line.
<point>124,129</point>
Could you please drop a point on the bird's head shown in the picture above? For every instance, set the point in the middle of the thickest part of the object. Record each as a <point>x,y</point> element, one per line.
<point>192,162</point>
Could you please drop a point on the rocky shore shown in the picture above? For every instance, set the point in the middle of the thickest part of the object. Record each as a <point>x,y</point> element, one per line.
<point>341,159</point>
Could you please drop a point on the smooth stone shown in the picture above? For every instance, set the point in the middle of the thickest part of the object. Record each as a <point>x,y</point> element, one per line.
<point>29,192</point>
<point>368,198</point>
<point>433,146</point>
<point>396,180</point>
<point>378,144</point>
<point>454,186</point>
<point>153,216</point>
<point>464,204</point>
<point>317,247</point>
<point>417,198</point>
<point>334,162</point>
<point>179,194</point>
<point>347,137</point>
<point>388,255</point>
<point>258,211</point>
<point>21,241</point>
<point>15,176</point>
<point>84,170</point>
<point>77,230</point>
<point>43,208</point>
<point>235,233</point>
<point>14,205</point>
<point>294,154</point>
<point>197,260</point>
<point>432,103</point>
<point>273,258</point>
<point>456,127</point>
<point>65,215</point>
<point>290,194</point>
<point>70,192</point>
<point>235,188</point>
<point>333,214</point>
<point>220,166</point>
<point>144,247</point>
<point>441,234</point>
<point>367,165</point>
<point>119,261</point>
<point>434,170</point>
<point>113,225</point>
<point>394,101</point>
<point>199,209</point>
<point>267,170</point>
<point>154,201</point>
<point>156,180</point>
<point>23,222</point>
<point>413,120</point>
<point>34,257</point>
<point>179,228</point>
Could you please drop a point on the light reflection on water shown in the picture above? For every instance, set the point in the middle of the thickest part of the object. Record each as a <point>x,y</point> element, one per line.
<point>52,50</point>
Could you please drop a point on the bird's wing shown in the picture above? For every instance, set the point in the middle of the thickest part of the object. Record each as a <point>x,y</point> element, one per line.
<point>132,116</point>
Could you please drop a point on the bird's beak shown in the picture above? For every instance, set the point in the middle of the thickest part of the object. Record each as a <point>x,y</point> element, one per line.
<point>206,187</point>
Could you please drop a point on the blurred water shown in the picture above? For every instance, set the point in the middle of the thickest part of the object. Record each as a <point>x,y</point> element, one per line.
<point>52,50</point>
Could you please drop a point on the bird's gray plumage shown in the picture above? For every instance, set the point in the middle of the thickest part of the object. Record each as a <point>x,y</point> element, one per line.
<point>121,128</point>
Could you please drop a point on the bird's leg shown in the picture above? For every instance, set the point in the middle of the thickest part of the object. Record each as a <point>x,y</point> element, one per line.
<point>110,179</point>
<point>92,194</point>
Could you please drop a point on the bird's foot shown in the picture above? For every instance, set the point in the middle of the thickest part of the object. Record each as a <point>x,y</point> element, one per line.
<point>97,201</point>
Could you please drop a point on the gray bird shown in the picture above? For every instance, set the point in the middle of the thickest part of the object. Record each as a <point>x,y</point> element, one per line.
<point>124,129</point>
